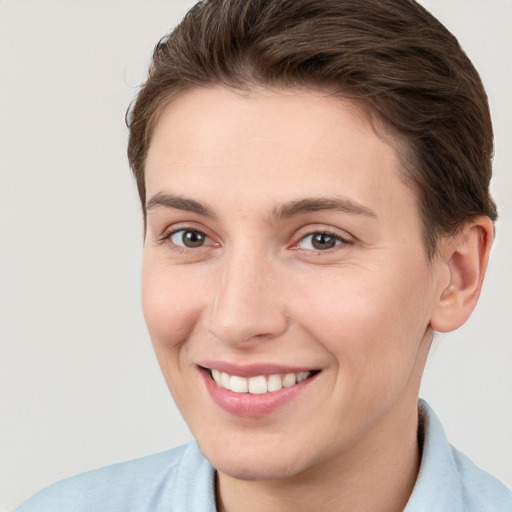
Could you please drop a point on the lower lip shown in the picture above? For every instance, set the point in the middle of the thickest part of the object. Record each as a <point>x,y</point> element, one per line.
<point>251,405</point>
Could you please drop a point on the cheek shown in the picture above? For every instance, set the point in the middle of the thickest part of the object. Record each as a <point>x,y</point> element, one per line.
<point>371,322</point>
<point>171,310</point>
<point>171,306</point>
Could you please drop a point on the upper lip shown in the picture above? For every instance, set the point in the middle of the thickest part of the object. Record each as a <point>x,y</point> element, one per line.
<point>254,369</point>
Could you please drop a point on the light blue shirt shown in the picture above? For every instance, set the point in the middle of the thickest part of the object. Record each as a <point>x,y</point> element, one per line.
<point>182,480</point>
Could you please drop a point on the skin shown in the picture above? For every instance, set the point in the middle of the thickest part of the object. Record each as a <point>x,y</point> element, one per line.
<point>258,291</point>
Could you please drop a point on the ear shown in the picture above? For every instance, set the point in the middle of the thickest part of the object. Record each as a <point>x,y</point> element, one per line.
<point>465,257</point>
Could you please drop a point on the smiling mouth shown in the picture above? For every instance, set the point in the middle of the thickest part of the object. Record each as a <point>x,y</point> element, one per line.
<point>259,384</point>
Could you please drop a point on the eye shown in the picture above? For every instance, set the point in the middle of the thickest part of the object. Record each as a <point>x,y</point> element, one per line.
<point>190,238</point>
<point>320,241</point>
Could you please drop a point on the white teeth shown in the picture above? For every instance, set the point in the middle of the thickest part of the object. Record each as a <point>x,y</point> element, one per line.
<point>302,376</point>
<point>225,380</point>
<point>216,377</point>
<point>238,384</point>
<point>259,384</point>
<point>289,380</point>
<point>275,383</point>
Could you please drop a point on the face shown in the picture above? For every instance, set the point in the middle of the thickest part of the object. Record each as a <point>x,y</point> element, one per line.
<point>285,282</point>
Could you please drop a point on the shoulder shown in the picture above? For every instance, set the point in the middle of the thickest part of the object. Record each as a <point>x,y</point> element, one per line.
<point>143,484</point>
<point>448,481</point>
<point>480,490</point>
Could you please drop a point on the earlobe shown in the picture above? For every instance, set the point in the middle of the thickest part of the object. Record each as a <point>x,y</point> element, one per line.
<point>465,256</point>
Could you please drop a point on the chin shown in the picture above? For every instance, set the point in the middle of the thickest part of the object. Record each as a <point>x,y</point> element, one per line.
<point>257,464</point>
<point>257,471</point>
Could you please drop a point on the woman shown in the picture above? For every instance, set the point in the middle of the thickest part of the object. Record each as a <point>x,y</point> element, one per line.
<point>314,181</point>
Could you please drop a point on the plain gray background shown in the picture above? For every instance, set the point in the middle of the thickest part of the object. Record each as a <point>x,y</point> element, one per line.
<point>79,385</point>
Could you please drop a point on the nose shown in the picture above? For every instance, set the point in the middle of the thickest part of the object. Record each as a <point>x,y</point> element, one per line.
<point>246,304</point>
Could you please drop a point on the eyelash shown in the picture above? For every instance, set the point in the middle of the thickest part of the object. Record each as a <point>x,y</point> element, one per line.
<point>339,240</point>
<point>167,238</point>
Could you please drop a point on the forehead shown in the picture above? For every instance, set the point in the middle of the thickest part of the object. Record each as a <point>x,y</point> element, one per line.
<point>275,145</point>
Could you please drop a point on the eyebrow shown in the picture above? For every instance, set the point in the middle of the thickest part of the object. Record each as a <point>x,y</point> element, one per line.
<point>310,205</point>
<point>285,211</point>
<point>179,203</point>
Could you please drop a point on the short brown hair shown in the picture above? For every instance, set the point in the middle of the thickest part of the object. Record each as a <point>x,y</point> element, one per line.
<point>391,55</point>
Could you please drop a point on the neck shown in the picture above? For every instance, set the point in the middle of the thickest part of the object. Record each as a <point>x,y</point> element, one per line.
<point>378,476</point>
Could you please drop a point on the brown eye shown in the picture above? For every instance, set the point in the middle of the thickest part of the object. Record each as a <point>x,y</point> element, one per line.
<point>320,241</point>
<point>189,238</point>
